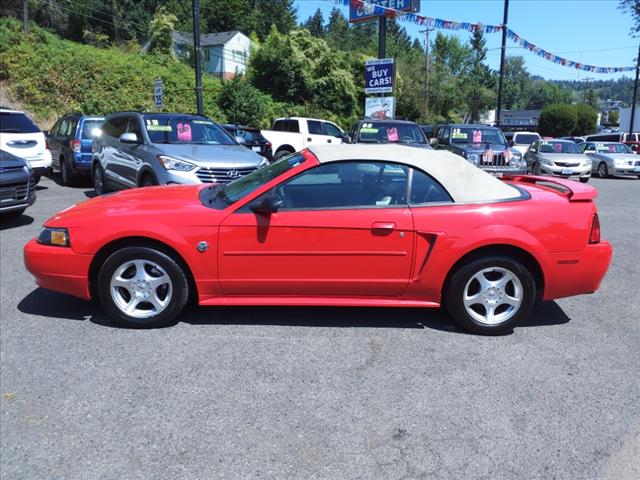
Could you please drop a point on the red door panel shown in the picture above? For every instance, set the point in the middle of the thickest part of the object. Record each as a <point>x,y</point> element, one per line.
<point>327,252</point>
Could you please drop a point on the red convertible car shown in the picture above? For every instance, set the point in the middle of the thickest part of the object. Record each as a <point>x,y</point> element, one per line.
<point>347,225</point>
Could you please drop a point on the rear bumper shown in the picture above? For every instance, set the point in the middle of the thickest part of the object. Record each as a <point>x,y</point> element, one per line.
<point>575,273</point>
<point>58,268</point>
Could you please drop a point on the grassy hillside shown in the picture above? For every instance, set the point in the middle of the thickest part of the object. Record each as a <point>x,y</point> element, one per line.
<point>51,76</point>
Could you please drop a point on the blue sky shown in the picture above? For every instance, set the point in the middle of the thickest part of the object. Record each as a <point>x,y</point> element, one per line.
<point>594,32</point>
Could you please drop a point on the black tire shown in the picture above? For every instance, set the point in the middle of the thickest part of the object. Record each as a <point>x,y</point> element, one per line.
<point>148,181</point>
<point>179,287</point>
<point>603,170</point>
<point>99,180</point>
<point>463,277</point>
<point>36,179</point>
<point>536,169</point>
<point>585,179</point>
<point>282,153</point>
<point>66,175</point>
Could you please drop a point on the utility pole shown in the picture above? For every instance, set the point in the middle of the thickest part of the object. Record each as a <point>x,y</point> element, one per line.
<point>632,117</point>
<point>196,49</point>
<point>502,52</point>
<point>426,69</point>
<point>25,15</point>
<point>382,35</point>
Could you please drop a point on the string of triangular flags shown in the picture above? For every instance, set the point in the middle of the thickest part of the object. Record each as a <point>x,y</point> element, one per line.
<point>438,23</point>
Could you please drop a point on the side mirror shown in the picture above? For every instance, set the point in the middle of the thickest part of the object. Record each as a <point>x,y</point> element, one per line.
<point>633,147</point>
<point>511,143</point>
<point>346,138</point>
<point>434,142</point>
<point>128,138</point>
<point>267,205</point>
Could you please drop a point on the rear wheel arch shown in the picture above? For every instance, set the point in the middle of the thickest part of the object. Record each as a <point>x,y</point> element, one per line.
<point>108,249</point>
<point>517,253</point>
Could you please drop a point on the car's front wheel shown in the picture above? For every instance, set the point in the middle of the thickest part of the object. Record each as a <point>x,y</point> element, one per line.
<point>142,287</point>
<point>490,295</point>
<point>603,170</point>
<point>99,182</point>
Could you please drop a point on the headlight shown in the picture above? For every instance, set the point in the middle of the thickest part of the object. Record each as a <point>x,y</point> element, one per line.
<point>263,163</point>
<point>473,158</point>
<point>175,164</point>
<point>546,161</point>
<point>58,237</point>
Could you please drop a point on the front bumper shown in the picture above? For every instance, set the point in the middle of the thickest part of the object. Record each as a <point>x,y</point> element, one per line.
<point>626,170</point>
<point>566,172</point>
<point>504,171</point>
<point>58,268</point>
<point>22,194</point>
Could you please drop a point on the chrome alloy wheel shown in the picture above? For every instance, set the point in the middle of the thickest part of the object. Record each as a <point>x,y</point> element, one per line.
<point>141,288</point>
<point>493,295</point>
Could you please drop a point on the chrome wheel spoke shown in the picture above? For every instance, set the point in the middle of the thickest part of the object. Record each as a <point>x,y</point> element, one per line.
<point>490,311</point>
<point>130,307</point>
<point>473,299</point>
<point>493,290</point>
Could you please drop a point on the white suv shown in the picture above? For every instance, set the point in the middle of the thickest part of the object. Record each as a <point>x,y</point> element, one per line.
<point>21,137</point>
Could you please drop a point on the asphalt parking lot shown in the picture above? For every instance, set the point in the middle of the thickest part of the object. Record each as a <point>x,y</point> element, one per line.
<point>292,393</point>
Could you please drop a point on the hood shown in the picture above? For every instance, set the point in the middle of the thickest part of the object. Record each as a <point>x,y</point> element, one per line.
<point>9,161</point>
<point>222,156</point>
<point>521,148</point>
<point>172,203</point>
<point>565,157</point>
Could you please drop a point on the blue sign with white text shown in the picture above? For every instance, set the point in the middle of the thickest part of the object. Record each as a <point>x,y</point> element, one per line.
<point>371,9</point>
<point>378,75</point>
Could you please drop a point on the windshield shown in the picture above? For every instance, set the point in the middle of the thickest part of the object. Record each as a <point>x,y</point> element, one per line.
<point>389,132</point>
<point>185,129</point>
<point>559,147</point>
<point>16,123</point>
<point>613,148</point>
<point>234,191</point>
<point>525,138</point>
<point>477,135</point>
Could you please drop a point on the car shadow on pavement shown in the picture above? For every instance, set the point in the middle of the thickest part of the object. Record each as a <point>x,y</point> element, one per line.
<point>50,304</point>
<point>21,221</point>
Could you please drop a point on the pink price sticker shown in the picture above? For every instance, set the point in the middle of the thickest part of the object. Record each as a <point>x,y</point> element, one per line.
<point>184,132</point>
<point>477,136</point>
<point>392,134</point>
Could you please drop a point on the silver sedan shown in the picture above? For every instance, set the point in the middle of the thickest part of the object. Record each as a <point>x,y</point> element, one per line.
<point>612,158</point>
<point>560,158</point>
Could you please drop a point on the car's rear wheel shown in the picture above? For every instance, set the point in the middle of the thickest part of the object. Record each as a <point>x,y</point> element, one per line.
<point>603,170</point>
<point>490,295</point>
<point>282,153</point>
<point>66,176</point>
<point>99,182</point>
<point>142,287</point>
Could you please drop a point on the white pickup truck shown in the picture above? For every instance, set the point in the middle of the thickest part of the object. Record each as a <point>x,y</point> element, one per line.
<point>292,134</point>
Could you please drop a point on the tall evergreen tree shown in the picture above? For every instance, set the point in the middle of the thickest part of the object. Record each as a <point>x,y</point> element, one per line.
<point>315,24</point>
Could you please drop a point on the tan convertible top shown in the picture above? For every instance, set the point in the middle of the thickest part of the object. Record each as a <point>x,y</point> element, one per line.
<point>464,182</point>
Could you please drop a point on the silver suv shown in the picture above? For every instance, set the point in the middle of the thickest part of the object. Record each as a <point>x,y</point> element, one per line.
<point>143,149</point>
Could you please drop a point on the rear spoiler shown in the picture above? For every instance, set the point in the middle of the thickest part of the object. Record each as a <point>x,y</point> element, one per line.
<point>575,192</point>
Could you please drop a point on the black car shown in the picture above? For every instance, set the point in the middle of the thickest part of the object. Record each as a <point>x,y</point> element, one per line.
<point>70,141</point>
<point>17,185</point>
<point>482,145</point>
<point>429,130</point>
<point>373,130</point>
<point>251,138</point>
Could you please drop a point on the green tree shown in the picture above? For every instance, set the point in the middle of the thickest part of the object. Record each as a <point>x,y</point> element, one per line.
<point>315,24</point>
<point>516,83</point>
<point>161,28</point>
<point>586,119</point>
<point>633,8</point>
<point>337,32</point>
<point>591,99</point>
<point>479,83</point>
<point>451,58</point>
<point>278,13</point>
<point>278,68</point>
<point>242,103</point>
<point>557,120</point>
<point>614,117</point>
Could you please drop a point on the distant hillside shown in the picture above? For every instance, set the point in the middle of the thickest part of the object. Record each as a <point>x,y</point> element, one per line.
<point>621,89</point>
<point>50,76</point>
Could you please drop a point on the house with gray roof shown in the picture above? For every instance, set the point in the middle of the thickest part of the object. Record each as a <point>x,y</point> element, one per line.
<point>224,54</point>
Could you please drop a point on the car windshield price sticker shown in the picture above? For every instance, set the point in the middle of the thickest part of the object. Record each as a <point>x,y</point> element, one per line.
<point>379,75</point>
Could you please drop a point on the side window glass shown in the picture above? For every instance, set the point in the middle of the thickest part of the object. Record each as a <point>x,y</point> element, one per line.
<point>315,128</point>
<point>277,125</point>
<point>73,126</point>
<point>331,129</point>
<point>134,127</point>
<point>344,185</point>
<point>54,130</point>
<point>64,126</point>
<point>425,190</point>
<point>294,126</point>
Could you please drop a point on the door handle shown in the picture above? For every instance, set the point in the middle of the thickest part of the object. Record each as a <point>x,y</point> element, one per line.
<point>308,139</point>
<point>329,140</point>
<point>383,226</point>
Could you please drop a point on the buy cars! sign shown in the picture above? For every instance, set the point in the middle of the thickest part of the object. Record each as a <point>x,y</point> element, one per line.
<point>379,75</point>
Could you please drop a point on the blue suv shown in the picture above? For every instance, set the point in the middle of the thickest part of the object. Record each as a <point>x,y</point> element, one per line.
<point>70,142</point>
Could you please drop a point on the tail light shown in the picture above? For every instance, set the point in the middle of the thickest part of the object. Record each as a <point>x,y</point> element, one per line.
<point>268,144</point>
<point>594,236</point>
<point>46,144</point>
<point>75,145</point>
